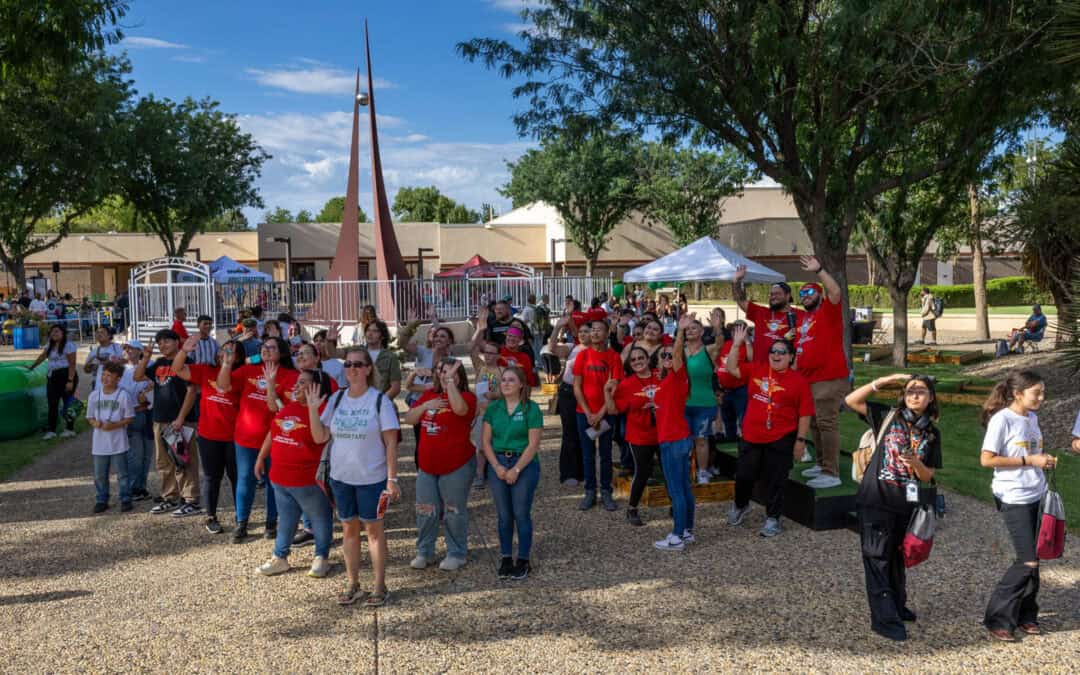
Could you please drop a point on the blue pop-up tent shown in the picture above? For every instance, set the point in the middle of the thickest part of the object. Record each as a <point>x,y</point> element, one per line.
<point>225,270</point>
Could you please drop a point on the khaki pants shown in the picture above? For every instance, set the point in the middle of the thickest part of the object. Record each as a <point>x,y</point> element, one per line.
<point>177,482</point>
<point>828,399</point>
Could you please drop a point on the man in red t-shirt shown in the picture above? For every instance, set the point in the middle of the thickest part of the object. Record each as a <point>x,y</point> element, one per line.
<point>778,321</point>
<point>819,357</point>
<point>593,368</point>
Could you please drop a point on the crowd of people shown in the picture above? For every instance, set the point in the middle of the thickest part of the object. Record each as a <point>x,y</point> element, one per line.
<point>318,426</point>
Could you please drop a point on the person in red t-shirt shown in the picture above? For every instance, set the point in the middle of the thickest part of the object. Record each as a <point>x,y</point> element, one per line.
<point>513,353</point>
<point>179,317</point>
<point>294,458</point>
<point>593,368</point>
<point>262,393</point>
<point>733,406</point>
<point>819,357</point>
<point>447,465</point>
<point>673,433</point>
<point>774,428</point>
<point>217,420</point>
<point>778,321</point>
<point>633,396</point>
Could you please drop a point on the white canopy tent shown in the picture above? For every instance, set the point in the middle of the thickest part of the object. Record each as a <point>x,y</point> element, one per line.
<point>704,260</point>
<point>225,270</point>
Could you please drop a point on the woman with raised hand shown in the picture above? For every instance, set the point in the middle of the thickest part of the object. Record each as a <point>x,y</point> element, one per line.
<point>485,360</point>
<point>910,452</point>
<point>701,406</point>
<point>361,424</point>
<point>446,466</point>
<point>262,390</point>
<point>513,427</point>
<point>1013,447</point>
<point>673,435</point>
<point>218,408</point>
<point>62,380</point>
<point>294,456</point>
<point>420,379</point>
<point>633,396</point>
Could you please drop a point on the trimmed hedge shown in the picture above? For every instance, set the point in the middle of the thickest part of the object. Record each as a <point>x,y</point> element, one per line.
<point>1002,292</point>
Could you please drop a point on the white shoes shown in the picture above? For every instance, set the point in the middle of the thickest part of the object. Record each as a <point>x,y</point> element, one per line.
<point>67,433</point>
<point>812,472</point>
<point>420,562</point>
<point>703,477</point>
<point>274,565</point>
<point>449,564</point>
<point>824,481</point>
<point>49,435</point>
<point>688,537</point>
<point>670,543</point>
<point>320,567</point>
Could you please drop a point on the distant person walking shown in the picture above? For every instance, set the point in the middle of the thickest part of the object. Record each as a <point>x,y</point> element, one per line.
<point>926,312</point>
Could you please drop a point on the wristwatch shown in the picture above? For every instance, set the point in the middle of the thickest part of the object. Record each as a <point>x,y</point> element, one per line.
<point>393,480</point>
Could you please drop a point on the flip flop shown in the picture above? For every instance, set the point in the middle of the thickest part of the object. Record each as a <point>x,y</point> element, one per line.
<point>351,595</point>
<point>377,599</point>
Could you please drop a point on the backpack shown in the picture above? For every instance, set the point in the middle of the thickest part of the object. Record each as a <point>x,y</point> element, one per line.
<point>1002,349</point>
<point>322,474</point>
<point>868,443</point>
<point>937,306</point>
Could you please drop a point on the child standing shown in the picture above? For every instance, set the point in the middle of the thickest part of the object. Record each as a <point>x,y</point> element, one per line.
<point>108,411</point>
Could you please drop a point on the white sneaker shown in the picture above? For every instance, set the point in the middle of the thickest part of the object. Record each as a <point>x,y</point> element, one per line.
<point>420,562</point>
<point>772,527</point>
<point>450,563</point>
<point>669,543</point>
<point>736,515</point>
<point>703,477</point>
<point>67,433</point>
<point>806,457</point>
<point>49,435</point>
<point>824,481</point>
<point>320,567</point>
<point>812,472</point>
<point>274,565</point>
<point>688,537</point>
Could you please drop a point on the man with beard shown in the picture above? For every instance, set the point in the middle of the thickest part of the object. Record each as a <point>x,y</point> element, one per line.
<point>778,321</point>
<point>498,325</point>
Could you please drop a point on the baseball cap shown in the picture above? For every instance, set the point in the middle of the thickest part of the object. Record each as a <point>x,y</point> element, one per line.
<point>782,286</point>
<point>811,284</point>
<point>249,322</point>
<point>134,344</point>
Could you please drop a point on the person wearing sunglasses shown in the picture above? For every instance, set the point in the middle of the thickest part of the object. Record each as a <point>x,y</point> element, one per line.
<point>778,321</point>
<point>485,360</point>
<point>909,452</point>
<point>633,397</point>
<point>778,411</point>
<point>819,357</point>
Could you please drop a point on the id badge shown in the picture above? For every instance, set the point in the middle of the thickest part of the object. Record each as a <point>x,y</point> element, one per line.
<point>912,493</point>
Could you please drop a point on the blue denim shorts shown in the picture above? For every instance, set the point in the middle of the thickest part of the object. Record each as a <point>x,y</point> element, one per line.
<point>700,419</point>
<point>357,501</point>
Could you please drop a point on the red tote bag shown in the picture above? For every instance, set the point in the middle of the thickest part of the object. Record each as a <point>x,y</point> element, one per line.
<point>1051,542</point>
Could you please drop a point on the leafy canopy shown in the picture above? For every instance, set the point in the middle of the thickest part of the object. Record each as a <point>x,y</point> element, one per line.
<point>428,205</point>
<point>334,211</point>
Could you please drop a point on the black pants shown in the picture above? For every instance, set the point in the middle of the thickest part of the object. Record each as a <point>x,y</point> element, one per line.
<point>1013,602</point>
<point>643,467</point>
<point>55,392</point>
<point>571,464</point>
<point>218,459</point>
<point>881,533</point>
<point>769,461</point>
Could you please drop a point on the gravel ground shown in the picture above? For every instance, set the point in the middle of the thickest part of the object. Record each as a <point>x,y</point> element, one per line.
<point>124,591</point>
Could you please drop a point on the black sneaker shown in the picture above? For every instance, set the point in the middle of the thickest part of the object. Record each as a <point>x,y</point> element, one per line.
<point>521,569</point>
<point>213,526</point>
<point>271,530</point>
<point>240,533</point>
<point>303,538</point>
<point>163,507</point>
<point>126,506</point>
<point>506,569</point>
<point>633,518</point>
<point>99,507</point>
<point>158,499</point>
<point>140,495</point>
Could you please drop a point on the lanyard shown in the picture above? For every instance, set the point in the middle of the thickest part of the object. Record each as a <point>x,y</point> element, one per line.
<point>769,404</point>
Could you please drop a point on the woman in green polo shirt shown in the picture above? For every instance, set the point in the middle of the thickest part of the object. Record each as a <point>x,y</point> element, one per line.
<point>511,439</point>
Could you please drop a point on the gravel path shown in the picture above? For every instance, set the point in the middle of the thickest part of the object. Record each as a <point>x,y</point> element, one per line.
<point>124,591</point>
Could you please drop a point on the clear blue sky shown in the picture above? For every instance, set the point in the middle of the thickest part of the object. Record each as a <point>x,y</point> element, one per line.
<point>287,69</point>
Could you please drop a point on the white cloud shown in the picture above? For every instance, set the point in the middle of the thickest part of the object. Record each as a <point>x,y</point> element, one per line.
<point>303,133</point>
<point>515,5</point>
<point>415,138</point>
<point>150,43</point>
<point>316,79</point>
<point>189,58</point>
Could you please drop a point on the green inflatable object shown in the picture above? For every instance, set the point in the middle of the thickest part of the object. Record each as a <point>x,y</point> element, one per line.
<point>23,409</point>
<point>618,290</point>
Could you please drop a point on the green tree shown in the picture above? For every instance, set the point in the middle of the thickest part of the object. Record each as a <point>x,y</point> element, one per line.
<point>184,165</point>
<point>428,205</point>
<point>59,133</point>
<point>810,92</point>
<point>304,216</point>
<point>37,36</point>
<point>232,220</point>
<point>590,178</point>
<point>487,212</point>
<point>334,210</point>
<point>280,214</point>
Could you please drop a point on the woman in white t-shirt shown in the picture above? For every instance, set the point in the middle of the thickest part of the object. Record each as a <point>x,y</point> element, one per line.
<point>62,381</point>
<point>104,351</point>
<point>361,424</point>
<point>1013,447</point>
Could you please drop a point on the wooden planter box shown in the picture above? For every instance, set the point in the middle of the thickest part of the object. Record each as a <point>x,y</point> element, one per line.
<point>876,352</point>
<point>656,495</point>
<point>952,357</point>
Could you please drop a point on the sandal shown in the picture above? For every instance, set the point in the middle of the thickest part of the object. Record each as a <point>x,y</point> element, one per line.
<point>351,595</point>
<point>377,598</point>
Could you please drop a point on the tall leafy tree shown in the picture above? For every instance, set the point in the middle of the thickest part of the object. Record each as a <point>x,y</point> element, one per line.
<point>809,92</point>
<point>591,178</point>
<point>428,205</point>
<point>334,210</point>
<point>38,36</point>
<point>279,214</point>
<point>304,216</point>
<point>186,164</point>
<point>59,134</point>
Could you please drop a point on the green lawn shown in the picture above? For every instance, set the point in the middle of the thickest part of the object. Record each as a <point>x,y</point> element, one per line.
<point>18,453</point>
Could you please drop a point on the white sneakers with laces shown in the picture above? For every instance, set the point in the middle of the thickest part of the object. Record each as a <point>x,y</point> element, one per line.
<point>320,567</point>
<point>824,481</point>
<point>274,565</point>
<point>812,472</point>
<point>670,543</point>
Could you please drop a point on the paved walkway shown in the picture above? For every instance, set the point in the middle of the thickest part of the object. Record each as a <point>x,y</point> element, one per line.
<point>123,591</point>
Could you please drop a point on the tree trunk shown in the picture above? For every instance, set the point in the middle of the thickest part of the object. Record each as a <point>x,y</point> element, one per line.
<point>900,330</point>
<point>697,290</point>
<point>834,260</point>
<point>590,263</point>
<point>978,269</point>
<point>870,271</point>
<point>18,270</point>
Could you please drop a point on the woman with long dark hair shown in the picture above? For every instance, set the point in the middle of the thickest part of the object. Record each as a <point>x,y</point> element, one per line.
<point>908,454</point>
<point>633,396</point>
<point>62,380</point>
<point>1013,447</point>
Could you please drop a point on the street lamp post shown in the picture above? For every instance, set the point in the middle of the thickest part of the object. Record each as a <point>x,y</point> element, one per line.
<point>288,267</point>
<point>420,261</point>
<point>553,242</point>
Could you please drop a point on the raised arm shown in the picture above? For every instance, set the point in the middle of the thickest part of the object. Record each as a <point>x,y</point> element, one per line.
<point>405,337</point>
<point>179,364</point>
<point>224,376</point>
<point>314,397</point>
<point>140,370</point>
<point>738,288</point>
<point>856,400</point>
<point>457,402</point>
<point>738,338</point>
<point>677,355</point>
<point>832,289</point>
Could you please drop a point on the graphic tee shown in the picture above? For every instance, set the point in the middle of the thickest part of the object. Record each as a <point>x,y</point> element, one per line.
<point>728,381</point>
<point>1011,435</point>
<point>632,396</point>
<point>819,347</point>
<point>253,416</point>
<point>775,400</point>
<point>670,399</point>
<point>595,368</point>
<point>357,453</point>
<point>446,446</point>
<point>521,360</point>
<point>169,392</point>
<point>770,326</point>
<point>114,407</point>
<point>294,454</point>
<point>217,408</point>
<point>889,491</point>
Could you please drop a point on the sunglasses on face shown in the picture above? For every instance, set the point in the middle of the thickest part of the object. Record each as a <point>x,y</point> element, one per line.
<point>666,355</point>
<point>917,391</point>
<point>638,359</point>
<point>355,364</point>
<point>779,352</point>
<point>807,292</point>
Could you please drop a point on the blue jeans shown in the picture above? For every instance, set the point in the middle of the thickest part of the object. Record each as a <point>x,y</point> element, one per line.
<point>675,459</point>
<point>588,453</point>
<point>513,504</point>
<point>732,411</point>
<point>439,497</point>
<point>245,488</point>
<point>312,502</point>
<point>140,454</point>
<point>700,419</point>
<point>101,477</point>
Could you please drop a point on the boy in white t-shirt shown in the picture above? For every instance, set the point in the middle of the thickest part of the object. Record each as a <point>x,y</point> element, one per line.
<point>109,411</point>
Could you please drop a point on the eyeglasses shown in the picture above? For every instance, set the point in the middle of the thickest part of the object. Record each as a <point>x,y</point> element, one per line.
<point>779,352</point>
<point>917,391</point>
<point>807,292</point>
<point>356,364</point>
